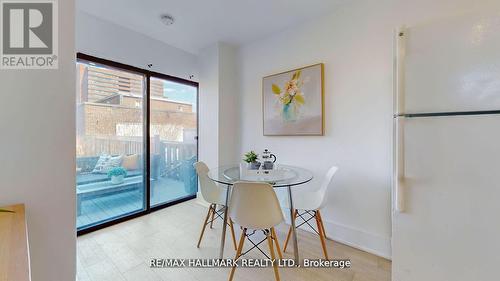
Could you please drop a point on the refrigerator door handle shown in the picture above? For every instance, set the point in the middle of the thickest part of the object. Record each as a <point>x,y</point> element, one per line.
<point>399,64</point>
<point>398,130</point>
<point>399,165</point>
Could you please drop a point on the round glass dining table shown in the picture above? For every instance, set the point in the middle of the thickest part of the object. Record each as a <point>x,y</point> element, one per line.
<point>281,176</point>
<point>285,176</point>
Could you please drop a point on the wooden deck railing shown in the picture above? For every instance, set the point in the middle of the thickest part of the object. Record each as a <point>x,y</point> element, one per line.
<point>112,145</point>
<point>171,153</point>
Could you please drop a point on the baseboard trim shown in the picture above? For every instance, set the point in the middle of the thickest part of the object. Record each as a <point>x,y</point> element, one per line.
<point>368,242</point>
<point>356,238</point>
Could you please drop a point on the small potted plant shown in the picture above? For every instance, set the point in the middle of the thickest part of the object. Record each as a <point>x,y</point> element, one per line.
<point>251,159</point>
<point>117,175</point>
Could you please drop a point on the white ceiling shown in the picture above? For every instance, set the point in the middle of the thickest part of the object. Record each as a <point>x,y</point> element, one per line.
<point>199,23</point>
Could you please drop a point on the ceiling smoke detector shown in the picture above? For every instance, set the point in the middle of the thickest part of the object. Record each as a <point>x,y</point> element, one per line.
<point>167,19</point>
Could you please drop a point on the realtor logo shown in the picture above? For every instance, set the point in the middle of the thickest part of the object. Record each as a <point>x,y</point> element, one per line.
<point>28,34</point>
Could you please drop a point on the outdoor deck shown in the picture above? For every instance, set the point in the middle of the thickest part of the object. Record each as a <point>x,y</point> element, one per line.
<point>105,207</point>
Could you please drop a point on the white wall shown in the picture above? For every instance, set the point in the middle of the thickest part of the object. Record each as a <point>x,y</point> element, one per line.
<point>37,148</point>
<point>107,40</point>
<point>228,105</point>
<point>218,136</point>
<point>355,43</point>
<point>208,135</point>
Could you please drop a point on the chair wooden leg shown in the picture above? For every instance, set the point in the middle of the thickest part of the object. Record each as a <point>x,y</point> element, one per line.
<point>321,232</point>
<point>238,252</point>
<point>275,237</point>
<point>271,250</point>
<point>204,225</point>
<point>322,225</point>
<point>289,232</point>
<point>213,214</point>
<point>287,238</point>
<point>232,233</point>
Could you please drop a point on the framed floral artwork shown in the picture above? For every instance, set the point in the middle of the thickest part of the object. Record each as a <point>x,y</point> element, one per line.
<point>292,102</point>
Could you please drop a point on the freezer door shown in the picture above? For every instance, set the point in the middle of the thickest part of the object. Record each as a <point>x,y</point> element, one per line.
<point>453,65</point>
<point>450,229</point>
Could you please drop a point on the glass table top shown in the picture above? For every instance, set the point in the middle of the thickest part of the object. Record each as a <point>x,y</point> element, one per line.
<point>280,176</point>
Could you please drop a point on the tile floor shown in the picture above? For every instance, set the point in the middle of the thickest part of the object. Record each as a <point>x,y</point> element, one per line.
<point>123,252</point>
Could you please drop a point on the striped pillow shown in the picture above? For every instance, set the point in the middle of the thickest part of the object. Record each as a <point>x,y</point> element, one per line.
<point>106,163</point>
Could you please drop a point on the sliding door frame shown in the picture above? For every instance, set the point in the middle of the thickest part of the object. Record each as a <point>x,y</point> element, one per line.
<point>147,133</point>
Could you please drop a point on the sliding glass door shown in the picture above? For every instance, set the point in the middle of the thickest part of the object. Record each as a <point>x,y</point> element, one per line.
<point>109,143</point>
<point>118,108</point>
<point>173,131</point>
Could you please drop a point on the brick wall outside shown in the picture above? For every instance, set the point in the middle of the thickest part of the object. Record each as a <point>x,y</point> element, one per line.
<point>101,120</point>
<point>135,102</point>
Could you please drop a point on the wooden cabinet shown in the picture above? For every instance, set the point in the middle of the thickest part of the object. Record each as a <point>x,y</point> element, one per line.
<point>14,249</point>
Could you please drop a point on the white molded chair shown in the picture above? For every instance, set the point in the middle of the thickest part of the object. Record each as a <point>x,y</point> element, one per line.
<point>309,203</point>
<point>255,206</point>
<point>215,195</point>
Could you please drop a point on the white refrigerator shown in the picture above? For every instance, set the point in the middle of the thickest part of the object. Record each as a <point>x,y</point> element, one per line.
<point>446,187</point>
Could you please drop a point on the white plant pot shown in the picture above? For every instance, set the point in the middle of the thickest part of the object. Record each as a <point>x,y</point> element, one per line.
<point>253,165</point>
<point>117,179</point>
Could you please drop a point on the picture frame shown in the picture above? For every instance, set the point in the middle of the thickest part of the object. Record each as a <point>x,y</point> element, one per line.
<point>293,102</point>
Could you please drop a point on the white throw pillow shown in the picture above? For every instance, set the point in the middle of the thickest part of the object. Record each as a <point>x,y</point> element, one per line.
<point>113,162</point>
<point>101,163</point>
<point>107,163</point>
